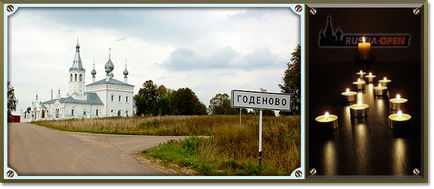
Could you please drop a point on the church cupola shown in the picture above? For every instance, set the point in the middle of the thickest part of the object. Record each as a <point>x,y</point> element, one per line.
<point>109,66</point>
<point>93,72</point>
<point>125,72</point>
<point>76,74</point>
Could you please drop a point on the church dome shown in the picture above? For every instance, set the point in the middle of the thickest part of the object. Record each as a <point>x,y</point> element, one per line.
<point>93,72</point>
<point>109,66</point>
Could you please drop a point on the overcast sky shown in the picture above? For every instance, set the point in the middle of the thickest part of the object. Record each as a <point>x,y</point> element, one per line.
<point>209,50</point>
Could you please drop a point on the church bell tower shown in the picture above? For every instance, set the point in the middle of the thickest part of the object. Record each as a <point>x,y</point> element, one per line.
<point>76,74</point>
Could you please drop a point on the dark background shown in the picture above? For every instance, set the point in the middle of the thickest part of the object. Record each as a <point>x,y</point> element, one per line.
<point>364,146</point>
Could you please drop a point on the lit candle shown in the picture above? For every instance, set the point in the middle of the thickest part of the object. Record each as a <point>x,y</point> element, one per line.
<point>397,103</point>
<point>370,77</point>
<point>349,95</point>
<point>361,74</point>
<point>359,110</point>
<point>327,121</point>
<point>385,81</point>
<point>360,84</point>
<point>364,49</point>
<point>380,90</point>
<point>399,120</point>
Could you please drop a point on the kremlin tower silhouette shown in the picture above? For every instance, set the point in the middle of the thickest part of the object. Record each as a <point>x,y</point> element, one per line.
<point>327,38</point>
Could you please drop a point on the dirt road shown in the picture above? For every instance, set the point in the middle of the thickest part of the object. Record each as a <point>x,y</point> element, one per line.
<point>36,150</point>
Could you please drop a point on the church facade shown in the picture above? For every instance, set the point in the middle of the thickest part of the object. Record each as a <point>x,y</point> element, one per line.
<point>104,98</point>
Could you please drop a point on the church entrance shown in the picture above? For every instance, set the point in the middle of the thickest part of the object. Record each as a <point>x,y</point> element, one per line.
<point>119,113</point>
<point>43,114</point>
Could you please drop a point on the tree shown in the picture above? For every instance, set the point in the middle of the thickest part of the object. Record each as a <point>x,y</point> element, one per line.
<point>221,105</point>
<point>292,81</point>
<point>12,101</point>
<point>146,98</point>
<point>185,102</point>
<point>162,105</point>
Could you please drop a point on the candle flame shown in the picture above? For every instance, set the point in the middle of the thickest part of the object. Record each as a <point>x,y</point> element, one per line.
<point>399,114</point>
<point>359,104</point>
<point>370,74</point>
<point>348,90</point>
<point>361,72</point>
<point>363,39</point>
<point>379,85</point>
<point>358,80</point>
<point>326,116</point>
<point>398,97</point>
<point>385,78</point>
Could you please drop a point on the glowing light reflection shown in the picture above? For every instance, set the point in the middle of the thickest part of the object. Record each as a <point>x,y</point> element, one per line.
<point>399,157</point>
<point>330,158</point>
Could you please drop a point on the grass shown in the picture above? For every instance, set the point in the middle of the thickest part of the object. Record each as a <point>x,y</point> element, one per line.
<point>231,150</point>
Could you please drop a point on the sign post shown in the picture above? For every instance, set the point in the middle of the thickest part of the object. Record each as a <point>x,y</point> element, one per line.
<point>262,101</point>
<point>260,137</point>
<point>240,116</point>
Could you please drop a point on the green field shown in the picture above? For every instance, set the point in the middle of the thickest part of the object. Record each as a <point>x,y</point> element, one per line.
<point>231,149</point>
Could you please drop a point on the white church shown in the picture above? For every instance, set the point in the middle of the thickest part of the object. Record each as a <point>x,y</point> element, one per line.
<point>104,98</point>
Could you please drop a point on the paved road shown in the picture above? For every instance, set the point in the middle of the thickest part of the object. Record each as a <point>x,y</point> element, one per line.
<point>37,150</point>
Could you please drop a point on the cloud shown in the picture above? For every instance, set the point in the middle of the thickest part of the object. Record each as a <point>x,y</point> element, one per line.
<point>223,58</point>
<point>261,14</point>
<point>121,39</point>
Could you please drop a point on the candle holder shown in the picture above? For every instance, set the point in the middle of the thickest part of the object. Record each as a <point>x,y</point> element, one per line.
<point>370,77</point>
<point>399,120</point>
<point>380,90</point>
<point>360,85</point>
<point>359,110</point>
<point>350,96</point>
<point>397,103</point>
<point>327,121</point>
<point>384,82</point>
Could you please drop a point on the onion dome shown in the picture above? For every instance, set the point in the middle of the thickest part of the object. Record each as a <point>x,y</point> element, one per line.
<point>93,72</point>
<point>109,66</point>
<point>126,71</point>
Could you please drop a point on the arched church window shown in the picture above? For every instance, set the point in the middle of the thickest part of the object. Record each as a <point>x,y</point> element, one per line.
<point>75,77</point>
<point>80,77</point>
<point>72,112</point>
<point>71,77</point>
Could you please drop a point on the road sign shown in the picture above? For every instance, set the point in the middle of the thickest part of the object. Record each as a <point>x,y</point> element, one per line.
<point>260,100</point>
